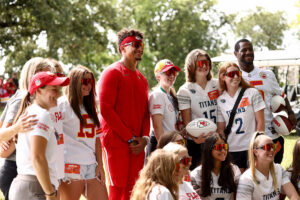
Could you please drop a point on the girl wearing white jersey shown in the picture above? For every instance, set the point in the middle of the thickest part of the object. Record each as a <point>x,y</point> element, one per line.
<point>198,97</point>
<point>157,179</point>
<point>83,157</point>
<point>249,115</point>
<point>186,190</point>
<point>216,177</point>
<point>7,149</point>
<point>294,171</point>
<point>37,149</point>
<point>264,179</point>
<point>163,104</point>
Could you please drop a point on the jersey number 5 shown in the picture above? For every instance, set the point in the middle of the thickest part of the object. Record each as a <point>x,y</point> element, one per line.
<point>88,130</point>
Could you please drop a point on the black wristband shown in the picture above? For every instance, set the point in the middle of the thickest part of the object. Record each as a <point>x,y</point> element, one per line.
<point>52,194</point>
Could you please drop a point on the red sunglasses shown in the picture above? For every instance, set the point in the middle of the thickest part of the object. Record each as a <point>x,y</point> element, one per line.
<point>60,74</point>
<point>135,44</point>
<point>219,147</point>
<point>233,73</point>
<point>201,63</point>
<point>268,147</point>
<point>86,81</point>
<point>186,160</point>
<point>171,72</point>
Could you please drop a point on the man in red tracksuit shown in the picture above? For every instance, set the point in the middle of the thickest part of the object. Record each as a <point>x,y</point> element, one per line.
<point>125,121</point>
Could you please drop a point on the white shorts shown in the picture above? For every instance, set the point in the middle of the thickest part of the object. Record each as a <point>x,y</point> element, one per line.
<point>79,172</point>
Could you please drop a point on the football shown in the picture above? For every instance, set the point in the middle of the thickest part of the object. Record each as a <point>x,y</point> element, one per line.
<point>282,125</point>
<point>200,126</point>
<point>277,104</point>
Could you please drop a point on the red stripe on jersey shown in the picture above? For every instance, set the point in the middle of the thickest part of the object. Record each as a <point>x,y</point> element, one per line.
<point>254,83</point>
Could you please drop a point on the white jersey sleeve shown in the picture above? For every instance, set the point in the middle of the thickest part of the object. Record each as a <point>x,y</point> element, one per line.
<point>160,192</point>
<point>184,99</point>
<point>159,103</point>
<point>156,103</point>
<point>186,191</point>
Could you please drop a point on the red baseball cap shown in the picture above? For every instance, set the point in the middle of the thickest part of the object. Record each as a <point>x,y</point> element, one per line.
<point>165,65</point>
<point>46,78</point>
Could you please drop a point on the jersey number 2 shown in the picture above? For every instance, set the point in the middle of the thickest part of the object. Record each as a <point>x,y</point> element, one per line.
<point>83,132</point>
<point>240,122</point>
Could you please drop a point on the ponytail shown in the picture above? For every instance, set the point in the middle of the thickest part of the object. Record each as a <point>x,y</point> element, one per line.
<point>25,103</point>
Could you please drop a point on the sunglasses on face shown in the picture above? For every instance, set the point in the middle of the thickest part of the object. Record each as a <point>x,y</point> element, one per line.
<point>268,147</point>
<point>181,142</point>
<point>186,160</point>
<point>135,44</point>
<point>201,63</point>
<point>171,72</point>
<point>87,81</point>
<point>60,74</point>
<point>233,73</point>
<point>219,147</point>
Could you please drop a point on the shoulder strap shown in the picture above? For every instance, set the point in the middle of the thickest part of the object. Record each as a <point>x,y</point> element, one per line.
<point>233,112</point>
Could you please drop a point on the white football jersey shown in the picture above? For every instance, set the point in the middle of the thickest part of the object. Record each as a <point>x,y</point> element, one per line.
<point>159,103</point>
<point>265,81</point>
<point>160,192</point>
<point>45,129</point>
<point>56,118</point>
<point>244,124</point>
<point>247,189</point>
<point>216,190</point>
<point>79,141</point>
<point>187,192</point>
<point>203,103</point>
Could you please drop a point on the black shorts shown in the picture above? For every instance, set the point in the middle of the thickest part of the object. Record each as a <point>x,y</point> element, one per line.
<point>240,158</point>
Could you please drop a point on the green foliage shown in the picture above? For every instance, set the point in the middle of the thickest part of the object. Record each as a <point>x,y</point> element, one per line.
<point>264,28</point>
<point>76,31</point>
<point>172,29</point>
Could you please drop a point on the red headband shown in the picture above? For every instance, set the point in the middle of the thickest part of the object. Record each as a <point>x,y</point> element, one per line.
<point>131,39</point>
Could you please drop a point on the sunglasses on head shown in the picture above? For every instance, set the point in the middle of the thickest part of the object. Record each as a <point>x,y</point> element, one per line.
<point>87,81</point>
<point>268,147</point>
<point>181,142</point>
<point>219,147</point>
<point>201,63</point>
<point>170,72</point>
<point>60,74</point>
<point>186,160</point>
<point>233,73</point>
<point>135,44</point>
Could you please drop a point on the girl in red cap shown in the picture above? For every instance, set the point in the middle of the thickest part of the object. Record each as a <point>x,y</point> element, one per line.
<point>36,149</point>
<point>163,104</point>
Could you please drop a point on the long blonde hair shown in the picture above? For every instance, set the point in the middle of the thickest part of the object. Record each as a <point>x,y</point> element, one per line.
<point>252,159</point>
<point>222,72</point>
<point>31,67</point>
<point>159,170</point>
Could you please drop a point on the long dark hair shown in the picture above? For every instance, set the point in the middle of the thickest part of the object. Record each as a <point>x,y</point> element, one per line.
<point>226,178</point>
<point>73,92</point>
<point>295,168</point>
